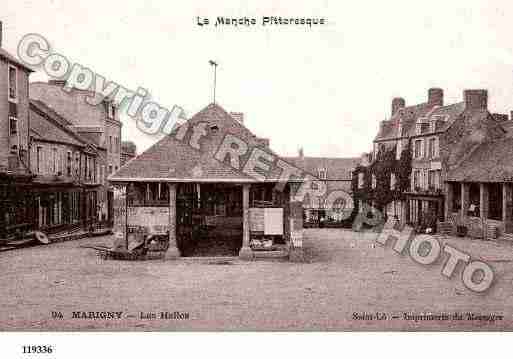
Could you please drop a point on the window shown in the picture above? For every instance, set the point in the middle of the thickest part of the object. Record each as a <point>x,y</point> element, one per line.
<point>39,159</point>
<point>432,125</point>
<point>77,163</point>
<point>110,143</point>
<point>416,180</point>
<point>13,84</point>
<point>68,163</point>
<point>433,152</point>
<point>110,169</point>
<point>431,179</point>
<point>115,168</point>
<point>13,126</point>
<point>55,166</point>
<point>322,173</point>
<point>417,148</point>
<point>374,182</point>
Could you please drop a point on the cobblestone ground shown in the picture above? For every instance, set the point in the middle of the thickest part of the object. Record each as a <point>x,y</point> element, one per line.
<point>346,273</point>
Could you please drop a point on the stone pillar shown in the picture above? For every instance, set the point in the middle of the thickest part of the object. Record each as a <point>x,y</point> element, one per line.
<point>507,206</point>
<point>483,201</point>
<point>296,227</point>
<point>465,194</point>
<point>245,251</point>
<point>172,252</point>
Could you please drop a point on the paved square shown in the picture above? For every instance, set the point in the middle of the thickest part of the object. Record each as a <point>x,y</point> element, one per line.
<point>347,273</point>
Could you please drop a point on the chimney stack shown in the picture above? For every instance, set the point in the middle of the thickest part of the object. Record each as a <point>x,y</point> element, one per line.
<point>436,97</point>
<point>1,33</point>
<point>397,103</point>
<point>476,99</point>
<point>238,116</point>
<point>301,153</point>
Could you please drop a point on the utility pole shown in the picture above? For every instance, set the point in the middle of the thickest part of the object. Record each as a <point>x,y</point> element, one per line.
<point>213,63</point>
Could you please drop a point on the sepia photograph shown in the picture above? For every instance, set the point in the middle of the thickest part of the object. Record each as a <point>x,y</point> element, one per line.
<point>270,166</point>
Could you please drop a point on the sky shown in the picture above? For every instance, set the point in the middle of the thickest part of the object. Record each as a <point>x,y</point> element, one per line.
<point>324,88</point>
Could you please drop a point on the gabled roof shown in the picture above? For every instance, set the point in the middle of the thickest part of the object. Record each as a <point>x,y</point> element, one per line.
<point>489,162</point>
<point>176,160</point>
<point>46,124</point>
<point>10,58</point>
<point>338,168</point>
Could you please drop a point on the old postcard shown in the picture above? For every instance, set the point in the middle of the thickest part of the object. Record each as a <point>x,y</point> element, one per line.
<point>255,166</point>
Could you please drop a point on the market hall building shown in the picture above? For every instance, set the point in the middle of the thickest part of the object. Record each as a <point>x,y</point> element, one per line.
<point>215,189</point>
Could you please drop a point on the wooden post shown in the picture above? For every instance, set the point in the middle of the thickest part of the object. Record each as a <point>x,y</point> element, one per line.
<point>465,188</point>
<point>483,201</point>
<point>507,206</point>
<point>449,188</point>
<point>173,251</point>
<point>245,251</point>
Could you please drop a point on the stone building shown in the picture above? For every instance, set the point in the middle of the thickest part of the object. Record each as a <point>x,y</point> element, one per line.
<point>65,173</point>
<point>336,175</point>
<point>437,137</point>
<point>98,124</point>
<point>214,188</point>
<point>49,178</point>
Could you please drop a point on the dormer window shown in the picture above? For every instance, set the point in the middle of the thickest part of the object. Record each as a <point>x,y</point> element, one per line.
<point>13,84</point>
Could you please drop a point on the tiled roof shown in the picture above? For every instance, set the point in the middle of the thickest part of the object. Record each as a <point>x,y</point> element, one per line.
<point>410,114</point>
<point>50,111</point>
<point>171,159</point>
<point>338,168</point>
<point>45,127</point>
<point>10,58</point>
<point>489,162</point>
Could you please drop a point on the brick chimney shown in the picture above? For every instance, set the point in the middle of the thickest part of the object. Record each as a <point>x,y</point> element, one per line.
<point>397,103</point>
<point>238,116</point>
<point>476,99</point>
<point>264,141</point>
<point>436,97</point>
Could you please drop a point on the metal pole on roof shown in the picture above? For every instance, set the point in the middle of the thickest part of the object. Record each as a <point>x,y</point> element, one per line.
<point>213,63</point>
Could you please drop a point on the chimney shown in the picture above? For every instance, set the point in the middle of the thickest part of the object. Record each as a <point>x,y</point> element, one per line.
<point>397,103</point>
<point>238,116</point>
<point>476,99</point>
<point>301,153</point>
<point>436,97</point>
<point>511,115</point>
<point>263,141</point>
<point>1,33</point>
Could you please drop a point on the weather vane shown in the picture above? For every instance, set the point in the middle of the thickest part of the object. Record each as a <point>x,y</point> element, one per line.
<point>213,63</point>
